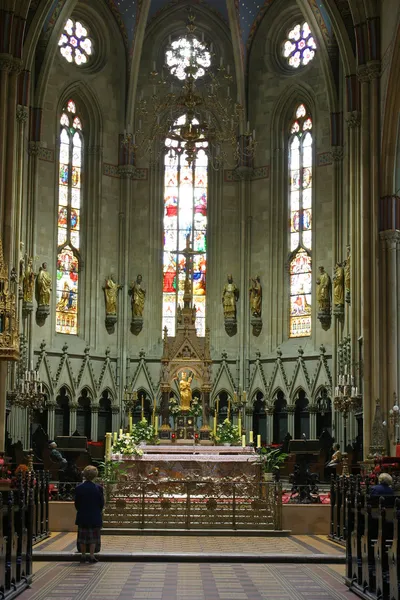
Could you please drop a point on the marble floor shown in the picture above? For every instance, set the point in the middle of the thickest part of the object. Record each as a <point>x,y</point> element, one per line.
<point>169,578</point>
<point>293,544</point>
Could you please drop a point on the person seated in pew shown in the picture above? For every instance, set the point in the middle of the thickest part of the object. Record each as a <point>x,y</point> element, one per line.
<point>383,487</point>
<point>336,456</point>
<point>57,457</point>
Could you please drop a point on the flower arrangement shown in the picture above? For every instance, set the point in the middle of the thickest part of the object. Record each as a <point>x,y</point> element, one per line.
<point>174,407</point>
<point>143,432</point>
<point>227,433</point>
<point>126,446</point>
<point>196,409</point>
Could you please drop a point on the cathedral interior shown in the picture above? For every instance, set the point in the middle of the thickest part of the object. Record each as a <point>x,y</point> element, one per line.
<point>203,189</point>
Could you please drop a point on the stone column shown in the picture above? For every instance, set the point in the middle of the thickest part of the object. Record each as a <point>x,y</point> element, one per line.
<point>126,172</point>
<point>290,409</point>
<point>73,407</point>
<point>51,418</point>
<point>313,411</point>
<point>390,241</point>
<point>94,424</point>
<point>366,258</point>
<point>115,418</point>
<point>270,425</point>
<point>248,420</point>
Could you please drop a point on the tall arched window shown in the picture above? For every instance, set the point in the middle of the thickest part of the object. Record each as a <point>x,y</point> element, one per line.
<point>300,209</point>
<point>185,214</point>
<point>69,216</point>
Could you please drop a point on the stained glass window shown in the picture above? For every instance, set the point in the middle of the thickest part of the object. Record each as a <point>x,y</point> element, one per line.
<point>184,52</point>
<point>299,46</point>
<point>69,213</point>
<point>300,226</point>
<point>185,214</point>
<point>74,43</point>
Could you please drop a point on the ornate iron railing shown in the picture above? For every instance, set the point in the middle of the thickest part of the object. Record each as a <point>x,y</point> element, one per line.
<point>201,504</point>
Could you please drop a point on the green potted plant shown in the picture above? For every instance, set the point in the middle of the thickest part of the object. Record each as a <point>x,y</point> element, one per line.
<point>227,433</point>
<point>270,460</point>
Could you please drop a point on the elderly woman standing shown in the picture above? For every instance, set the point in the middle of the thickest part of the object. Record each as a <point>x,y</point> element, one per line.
<point>89,503</point>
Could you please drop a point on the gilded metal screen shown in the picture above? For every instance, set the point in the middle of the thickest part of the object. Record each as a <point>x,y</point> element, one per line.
<point>174,504</point>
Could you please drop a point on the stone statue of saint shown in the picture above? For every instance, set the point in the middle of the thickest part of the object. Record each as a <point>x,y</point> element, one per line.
<point>185,391</point>
<point>324,291</point>
<point>338,285</point>
<point>44,285</point>
<point>230,296</point>
<point>28,282</point>
<point>138,295</point>
<point>255,297</point>
<point>111,289</point>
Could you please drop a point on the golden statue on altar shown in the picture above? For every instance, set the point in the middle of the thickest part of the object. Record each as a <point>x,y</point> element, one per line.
<point>185,391</point>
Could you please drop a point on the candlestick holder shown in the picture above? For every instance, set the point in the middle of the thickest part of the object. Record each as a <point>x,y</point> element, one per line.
<point>394,418</point>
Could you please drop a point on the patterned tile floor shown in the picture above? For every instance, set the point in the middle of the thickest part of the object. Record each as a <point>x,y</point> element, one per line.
<point>301,544</point>
<point>177,581</point>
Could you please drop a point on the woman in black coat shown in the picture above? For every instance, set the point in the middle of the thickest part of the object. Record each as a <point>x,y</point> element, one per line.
<point>89,503</point>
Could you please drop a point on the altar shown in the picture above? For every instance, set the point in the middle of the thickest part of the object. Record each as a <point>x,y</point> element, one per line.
<point>191,487</point>
<point>191,462</point>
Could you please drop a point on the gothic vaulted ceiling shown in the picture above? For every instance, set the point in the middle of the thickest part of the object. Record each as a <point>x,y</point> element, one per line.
<point>248,13</point>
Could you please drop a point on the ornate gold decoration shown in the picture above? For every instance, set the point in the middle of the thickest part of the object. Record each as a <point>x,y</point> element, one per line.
<point>9,326</point>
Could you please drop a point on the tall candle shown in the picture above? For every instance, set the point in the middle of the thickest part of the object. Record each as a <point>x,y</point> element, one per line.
<point>142,406</point>
<point>215,422</point>
<point>107,453</point>
<point>229,408</point>
<point>130,423</point>
<point>115,437</point>
<point>243,441</point>
<point>251,440</point>
<point>240,424</point>
<point>156,426</point>
<point>120,433</point>
<point>259,441</point>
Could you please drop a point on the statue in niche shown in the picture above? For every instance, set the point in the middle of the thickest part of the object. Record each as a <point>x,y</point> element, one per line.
<point>338,285</point>
<point>324,291</point>
<point>111,289</point>
<point>44,285</point>
<point>347,275</point>
<point>324,298</point>
<point>255,297</point>
<point>138,294</point>
<point>185,391</point>
<point>230,296</point>
<point>28,282</point>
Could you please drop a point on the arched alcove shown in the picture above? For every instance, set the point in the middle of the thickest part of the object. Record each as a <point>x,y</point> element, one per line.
<point>324,414</point>
<point>84,414</point>
<point>62,416</point>
<point>280,424</point>
<point>105,415</point>
<point>301,416</point>
<point>143,405</point>
<point>259,416</point>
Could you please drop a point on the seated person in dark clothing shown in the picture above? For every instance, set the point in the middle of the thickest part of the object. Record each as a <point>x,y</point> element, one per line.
<point>384,486</point>
<point>57,457</point>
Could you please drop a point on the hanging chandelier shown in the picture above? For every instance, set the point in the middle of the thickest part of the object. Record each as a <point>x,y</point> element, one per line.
<point>191,108</point>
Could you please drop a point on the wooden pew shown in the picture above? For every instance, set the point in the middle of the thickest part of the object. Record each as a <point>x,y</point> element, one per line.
<point>358,529</point>
<point>381,547</point>
<point>394,556</point>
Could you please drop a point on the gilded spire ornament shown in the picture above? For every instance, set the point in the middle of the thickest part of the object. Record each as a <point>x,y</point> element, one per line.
<point>9,328</point>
